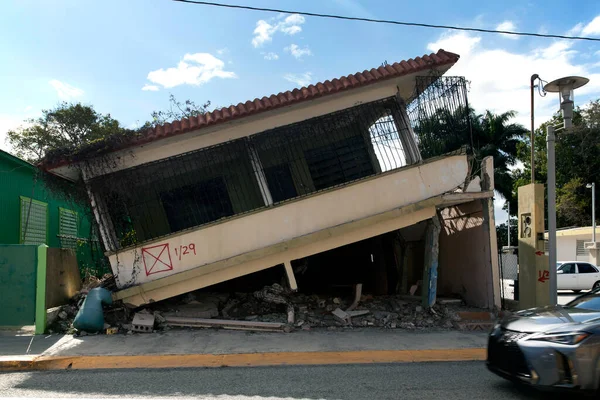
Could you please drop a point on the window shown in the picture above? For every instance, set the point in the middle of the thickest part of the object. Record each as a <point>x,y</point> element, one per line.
<point>581,251</point>
<point>281,184</point>
<point>197,204</point>
<point>339,162</point>
<point>586,269</point>
<point>567,268</point>
<point>34,222</point>
<point>67,229</point>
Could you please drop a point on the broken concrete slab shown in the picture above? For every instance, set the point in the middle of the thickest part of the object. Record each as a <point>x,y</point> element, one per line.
<point>357,313</point>
<point>195,309</point>
<point>227,324</point>
<point>341,316</point>
<point>143,322</point>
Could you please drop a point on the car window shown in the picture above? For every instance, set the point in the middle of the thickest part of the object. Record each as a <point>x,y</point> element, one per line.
<point>567,268</point>
<point>587,302</point>
<point>586,269</point>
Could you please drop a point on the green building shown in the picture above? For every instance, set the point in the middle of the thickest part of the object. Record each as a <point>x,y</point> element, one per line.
<point>32,214</point>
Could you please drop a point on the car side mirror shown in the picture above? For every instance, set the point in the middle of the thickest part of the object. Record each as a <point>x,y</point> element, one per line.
<point>560,272</point>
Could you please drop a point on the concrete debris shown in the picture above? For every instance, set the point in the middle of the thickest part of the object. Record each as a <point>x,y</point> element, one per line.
<point>337,300</point>
<point>418,309</point>
<point>143,322</point>
<point>341,316</point>
<point>357,313</point>
<point>195,309</point>
<point>63,315</point>
<point>226,324</point>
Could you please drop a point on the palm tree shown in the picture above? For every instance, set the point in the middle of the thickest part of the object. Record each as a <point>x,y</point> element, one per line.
<point>483,135</point>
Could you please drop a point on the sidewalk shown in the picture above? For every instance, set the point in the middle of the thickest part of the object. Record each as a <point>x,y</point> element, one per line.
<point>217,348</point>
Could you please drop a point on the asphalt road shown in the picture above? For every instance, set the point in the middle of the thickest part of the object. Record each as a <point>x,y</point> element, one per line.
<point>448,381</point>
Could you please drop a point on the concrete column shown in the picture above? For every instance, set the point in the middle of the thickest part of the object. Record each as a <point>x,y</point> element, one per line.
<point>430,270</point>
<point>534,275</point>
<point>489,227</point>
<point>259,173</point>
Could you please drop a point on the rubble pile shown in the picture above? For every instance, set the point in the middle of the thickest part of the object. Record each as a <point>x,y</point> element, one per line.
<point>267,308</point>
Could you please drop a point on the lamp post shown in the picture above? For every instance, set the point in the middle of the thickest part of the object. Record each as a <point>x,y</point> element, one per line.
<point>593,187</point>
<point>565,87</point>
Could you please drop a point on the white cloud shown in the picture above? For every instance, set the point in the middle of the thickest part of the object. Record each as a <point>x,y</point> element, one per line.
<point>223,51</point>
<point>593,28</point>
<point>151,88</point>
<point>270,56</point>
<point>299,79</point>
<point>297,52</point>
<point>64,90</point>
<point>508,26</point>
<point>28,108</point>
<point>194,69</point>
<point>264,31</point>
<point>500,78</point>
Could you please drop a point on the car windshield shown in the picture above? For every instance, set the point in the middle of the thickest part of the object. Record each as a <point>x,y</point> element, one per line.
<point>590,301</point>
<point>558,264</point>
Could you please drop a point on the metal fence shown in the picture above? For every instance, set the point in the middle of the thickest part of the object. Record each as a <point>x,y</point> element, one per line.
<point>206,185</point>
<point>508,262</point>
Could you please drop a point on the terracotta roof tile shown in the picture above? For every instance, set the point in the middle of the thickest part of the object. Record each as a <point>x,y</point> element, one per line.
<point>441,58</point>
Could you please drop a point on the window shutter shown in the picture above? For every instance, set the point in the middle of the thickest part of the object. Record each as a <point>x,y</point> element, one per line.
<point>67,229</point>
<point>34,222</point>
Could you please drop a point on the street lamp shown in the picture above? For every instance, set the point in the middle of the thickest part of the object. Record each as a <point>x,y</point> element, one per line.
<point>565,87</point>
<point>593,187</point>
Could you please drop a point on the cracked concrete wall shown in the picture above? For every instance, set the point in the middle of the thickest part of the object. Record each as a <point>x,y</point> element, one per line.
<point>464,262</point>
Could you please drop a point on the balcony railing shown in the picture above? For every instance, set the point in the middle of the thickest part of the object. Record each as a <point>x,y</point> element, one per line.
<point>210,184</point>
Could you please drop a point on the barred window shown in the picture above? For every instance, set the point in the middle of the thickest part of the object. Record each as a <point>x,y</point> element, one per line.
<point>67,231</point>
<point>34,221</point>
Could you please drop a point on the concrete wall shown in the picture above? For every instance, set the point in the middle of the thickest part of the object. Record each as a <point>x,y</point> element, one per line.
<point>566,247</point>
<point>463,261</point>
<point>63,280</point>
<point>190,249</point>
<point>18,269</point>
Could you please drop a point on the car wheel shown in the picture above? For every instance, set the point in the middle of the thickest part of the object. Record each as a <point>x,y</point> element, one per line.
<point>596,285</point>
<point>576,291</point>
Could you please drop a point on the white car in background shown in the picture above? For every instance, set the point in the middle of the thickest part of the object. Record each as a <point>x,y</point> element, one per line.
<point>577,276</point>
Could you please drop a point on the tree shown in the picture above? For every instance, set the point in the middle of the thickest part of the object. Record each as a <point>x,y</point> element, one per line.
<point>577,163</point>
<point>502,234</point>
<point>489,134</point>
<point>67,127</point>
<point>178,110</point>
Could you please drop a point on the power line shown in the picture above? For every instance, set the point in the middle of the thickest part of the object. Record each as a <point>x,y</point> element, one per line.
<point>386,21</point>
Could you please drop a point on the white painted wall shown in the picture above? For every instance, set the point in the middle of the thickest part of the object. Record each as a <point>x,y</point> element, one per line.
<point>566,248</point>
<point>288,221</point>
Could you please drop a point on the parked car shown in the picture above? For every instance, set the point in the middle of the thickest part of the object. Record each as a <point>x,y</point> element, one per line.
<point>577,276</point>
<point>550,347</point>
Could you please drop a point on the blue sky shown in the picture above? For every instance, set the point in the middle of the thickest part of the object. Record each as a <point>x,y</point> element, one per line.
<point>105,53</point>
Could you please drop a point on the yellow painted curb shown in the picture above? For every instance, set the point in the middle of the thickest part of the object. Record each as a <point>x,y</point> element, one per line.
<point>243,360</point>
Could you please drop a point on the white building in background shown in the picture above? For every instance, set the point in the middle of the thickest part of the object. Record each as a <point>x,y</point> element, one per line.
<point>570,243</point>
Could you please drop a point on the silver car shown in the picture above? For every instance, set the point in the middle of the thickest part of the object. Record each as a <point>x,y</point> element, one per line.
<point>551,347</point>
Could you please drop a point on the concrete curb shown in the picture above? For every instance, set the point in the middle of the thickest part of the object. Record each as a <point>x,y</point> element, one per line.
<point>38,363</point>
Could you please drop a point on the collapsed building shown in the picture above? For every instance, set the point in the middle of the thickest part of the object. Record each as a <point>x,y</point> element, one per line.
<point>324,185</point>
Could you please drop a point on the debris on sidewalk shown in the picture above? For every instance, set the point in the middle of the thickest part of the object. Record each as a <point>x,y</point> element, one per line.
<point>228,324</point>
<point>143,322</point>
<point>341,316</point>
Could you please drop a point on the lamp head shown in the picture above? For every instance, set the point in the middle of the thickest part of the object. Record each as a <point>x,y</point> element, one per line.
<point>564,87</point>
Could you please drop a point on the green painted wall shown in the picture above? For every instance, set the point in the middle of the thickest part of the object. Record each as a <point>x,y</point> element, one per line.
<point>18,269</point>
<point>18,178</point>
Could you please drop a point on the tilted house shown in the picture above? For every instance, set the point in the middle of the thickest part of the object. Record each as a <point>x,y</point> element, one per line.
<point>277,180</point>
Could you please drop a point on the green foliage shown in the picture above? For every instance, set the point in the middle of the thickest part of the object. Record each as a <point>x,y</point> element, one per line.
<point>502,234</point>
<point>484,135</point>
<point>577,163</point>
<point>178,110</point>
<point>66,128</point>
